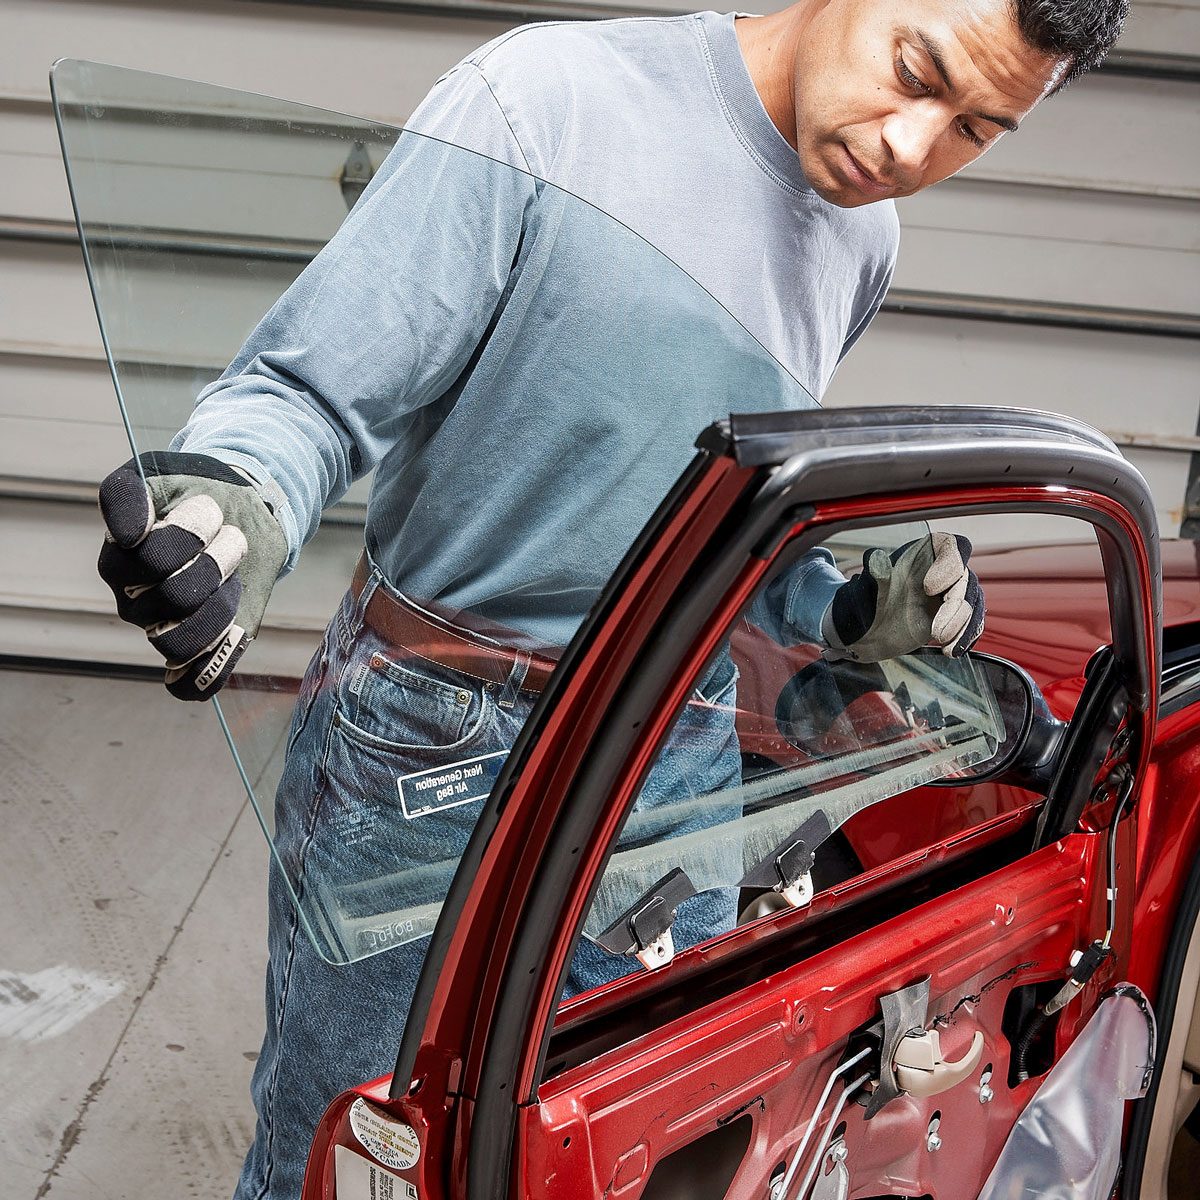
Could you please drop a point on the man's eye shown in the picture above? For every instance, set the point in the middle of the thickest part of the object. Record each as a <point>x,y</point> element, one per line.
<point>909,79</point>
<point>969,134</point>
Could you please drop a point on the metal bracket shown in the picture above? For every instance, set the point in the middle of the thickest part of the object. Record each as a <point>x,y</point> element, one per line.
<point>356,174</point>
<point>787,869</point>
<point>833,1178</point>
<point>643,931</point>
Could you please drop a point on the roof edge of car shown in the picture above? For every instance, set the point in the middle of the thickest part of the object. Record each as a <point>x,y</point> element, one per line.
<point>764,439</point>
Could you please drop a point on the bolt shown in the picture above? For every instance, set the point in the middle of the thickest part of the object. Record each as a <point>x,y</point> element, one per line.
<point>932,1141</point>
<point>986,1095</point>
<point>837,1152</point>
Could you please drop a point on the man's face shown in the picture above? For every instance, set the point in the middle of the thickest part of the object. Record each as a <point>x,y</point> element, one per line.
<point>893,95</point>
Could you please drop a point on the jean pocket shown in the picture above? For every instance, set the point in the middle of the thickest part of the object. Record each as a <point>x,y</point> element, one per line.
<point>403,707</point>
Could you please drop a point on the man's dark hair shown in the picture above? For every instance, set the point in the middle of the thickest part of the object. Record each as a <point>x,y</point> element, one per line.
<point>1081,31</point>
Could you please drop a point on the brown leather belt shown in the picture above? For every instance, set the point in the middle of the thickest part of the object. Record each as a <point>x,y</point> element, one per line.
<point>430,636</point>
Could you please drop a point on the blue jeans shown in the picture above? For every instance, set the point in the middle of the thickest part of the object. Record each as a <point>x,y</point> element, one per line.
<point>365,717</point>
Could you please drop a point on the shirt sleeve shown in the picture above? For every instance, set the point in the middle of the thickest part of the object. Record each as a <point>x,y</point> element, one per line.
<point>789,609</point>
<point>383,320</point>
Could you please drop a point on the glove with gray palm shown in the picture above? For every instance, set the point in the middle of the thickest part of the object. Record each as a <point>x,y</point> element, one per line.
<point>191,555</point>
<point>922,594</point>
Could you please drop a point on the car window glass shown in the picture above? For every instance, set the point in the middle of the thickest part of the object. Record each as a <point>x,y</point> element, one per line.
<point>795,776</point>
<point>215,231</point>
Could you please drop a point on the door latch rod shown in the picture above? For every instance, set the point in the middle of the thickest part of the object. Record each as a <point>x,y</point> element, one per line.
<point>835,1075</point>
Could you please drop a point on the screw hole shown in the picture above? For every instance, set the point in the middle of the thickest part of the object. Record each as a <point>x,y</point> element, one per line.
<point>1008,468</point>
<point>566,1142</point>
<point>928,473</point>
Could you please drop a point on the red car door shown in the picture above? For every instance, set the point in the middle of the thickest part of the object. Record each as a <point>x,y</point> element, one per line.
<point>771,1058</point>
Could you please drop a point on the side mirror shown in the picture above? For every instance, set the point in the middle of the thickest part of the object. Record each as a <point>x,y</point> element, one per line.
<point>1031,734</point>
<point>834,707</point>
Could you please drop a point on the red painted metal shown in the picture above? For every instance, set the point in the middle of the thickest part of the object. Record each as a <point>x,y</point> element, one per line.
<point>1084,503</point>
<point>778,1040</point>
<point>1168,841</point>
<point>958,940</point>
<point>448,1059</point>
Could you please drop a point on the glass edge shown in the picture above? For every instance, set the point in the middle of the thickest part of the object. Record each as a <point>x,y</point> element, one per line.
<point>89,270</point>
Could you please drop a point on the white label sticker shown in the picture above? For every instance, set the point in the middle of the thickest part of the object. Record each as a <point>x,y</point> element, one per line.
<point>392,1142</point>
<point>456,783</point>
<point>357,1179</point>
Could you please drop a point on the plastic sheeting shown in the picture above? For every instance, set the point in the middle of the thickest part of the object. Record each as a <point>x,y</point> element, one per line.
<point>1066,1145</point>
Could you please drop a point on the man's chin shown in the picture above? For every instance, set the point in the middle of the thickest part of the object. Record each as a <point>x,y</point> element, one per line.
<point>841,195</point>
<point>830,187</point>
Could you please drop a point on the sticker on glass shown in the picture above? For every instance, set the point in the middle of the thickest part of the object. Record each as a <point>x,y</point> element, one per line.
<point>393,1142</point>
<point>356,1178</point>
<point>456,783</point>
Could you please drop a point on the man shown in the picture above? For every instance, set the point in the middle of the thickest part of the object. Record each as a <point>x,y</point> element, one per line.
<point>528,375</point>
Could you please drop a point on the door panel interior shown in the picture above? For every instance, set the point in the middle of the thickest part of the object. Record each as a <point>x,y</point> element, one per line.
<point>576,776</point>
<point>767,1052</point>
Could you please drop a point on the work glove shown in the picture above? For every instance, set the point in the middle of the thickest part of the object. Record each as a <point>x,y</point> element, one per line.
<point>922,594</point>
<point>191,555</point>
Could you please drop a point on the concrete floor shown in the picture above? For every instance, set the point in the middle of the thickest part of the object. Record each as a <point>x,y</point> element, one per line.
<point>132,944</point>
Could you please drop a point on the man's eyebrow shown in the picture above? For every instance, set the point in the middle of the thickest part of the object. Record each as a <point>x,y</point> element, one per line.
<point>938,59</point>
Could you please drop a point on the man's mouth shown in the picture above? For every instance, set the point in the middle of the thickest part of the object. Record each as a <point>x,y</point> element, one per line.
<point>859,177</point>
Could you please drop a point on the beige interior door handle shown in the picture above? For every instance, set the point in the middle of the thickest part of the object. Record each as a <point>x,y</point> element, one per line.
<point>922,1071</point>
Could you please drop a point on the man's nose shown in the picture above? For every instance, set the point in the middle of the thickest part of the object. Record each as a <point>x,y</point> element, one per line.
<point>910,137</point>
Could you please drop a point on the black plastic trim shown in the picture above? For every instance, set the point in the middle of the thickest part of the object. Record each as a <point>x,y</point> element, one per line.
<point>1102,707</point>
<point>1181,668</point>
<point>757,439</point>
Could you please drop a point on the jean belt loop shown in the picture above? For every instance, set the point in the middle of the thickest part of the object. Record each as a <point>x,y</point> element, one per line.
<point>353,626</point>
<point>516,678</point>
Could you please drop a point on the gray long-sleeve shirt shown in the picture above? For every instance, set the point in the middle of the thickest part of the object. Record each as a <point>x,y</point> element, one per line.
<point>525,369</point>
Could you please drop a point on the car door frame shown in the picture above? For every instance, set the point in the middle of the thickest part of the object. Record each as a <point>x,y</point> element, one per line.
<point>479,1026</point>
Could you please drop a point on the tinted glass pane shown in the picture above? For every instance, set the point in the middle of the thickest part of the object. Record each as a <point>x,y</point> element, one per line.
<point>247,317</point>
